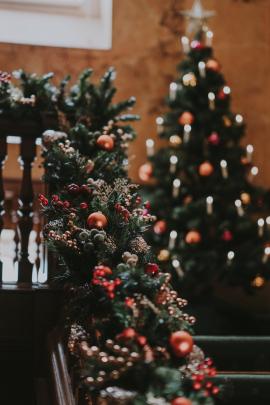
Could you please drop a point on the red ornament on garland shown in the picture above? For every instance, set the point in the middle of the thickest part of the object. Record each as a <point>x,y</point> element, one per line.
<point>186,118</point>
<point>181,401</point>
<point>212,64</point>
<point>193,237</point>
<point>105,142</point>
<point>227,236</point>
<point>160,227</point>
<point>151,268</point>
<point>214,139</point>
<point>181,343</point>
<point>206,169</point>
<point>83,205</point>
<point>128,333</point>
<point>97,220</point>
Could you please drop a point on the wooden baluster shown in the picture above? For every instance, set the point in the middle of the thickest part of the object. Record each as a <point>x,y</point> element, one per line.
<point>25,211</point>
<point>3,155</point>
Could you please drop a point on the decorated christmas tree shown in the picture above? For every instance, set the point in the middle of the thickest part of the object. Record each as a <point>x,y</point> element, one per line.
<point>128,335</point>
<point>212,224</point>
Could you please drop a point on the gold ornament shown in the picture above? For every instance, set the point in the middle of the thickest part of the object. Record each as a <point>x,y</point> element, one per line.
<point>245,197</point>
<point>163,255</point>
<point>175,140</point>
<point>226,121</point>
<point>189,79</point>
<point>258,282</point>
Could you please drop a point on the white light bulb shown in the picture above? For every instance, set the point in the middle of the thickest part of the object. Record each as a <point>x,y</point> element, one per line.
<point>209,38</point>
<point>226,90</point>
<point>159,122</point>
<point>211,99</point>
<point>172,240</point>
<point>239,119</point>
<point>224,168</point>
<point>176,187</point>
<point>209,205</point>
<point>201,66</point>
<point>173,163</point>
<point>185,44</point>
<point>150,150</point>
<point>173,90</point>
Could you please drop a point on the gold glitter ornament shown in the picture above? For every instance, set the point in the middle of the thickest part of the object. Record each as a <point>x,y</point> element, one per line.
<point>245,198</point>
<point>163,255</point>
<point>226,121</point>
<point>175,140</point>
<point>189,79</point>
<point>258,282</point>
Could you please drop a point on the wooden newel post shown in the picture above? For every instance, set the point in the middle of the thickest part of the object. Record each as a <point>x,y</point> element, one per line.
<point>25,211</point>
<point>3,155</point>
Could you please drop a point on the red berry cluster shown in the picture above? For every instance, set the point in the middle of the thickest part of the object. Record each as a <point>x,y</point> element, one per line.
<point>100,275</point>
<point>5,77</point>
<point>43,199</point>
<point>58,203</point>
<point>200,378</point>
<point>75,189</point>
<point>131,334</point>
<point>122,211</point>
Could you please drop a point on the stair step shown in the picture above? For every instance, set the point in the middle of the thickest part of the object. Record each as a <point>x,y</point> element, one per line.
<point>237,353</point>
<point>244,388</point>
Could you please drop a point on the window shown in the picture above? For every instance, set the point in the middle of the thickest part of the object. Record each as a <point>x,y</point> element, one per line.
<point>64,23</point>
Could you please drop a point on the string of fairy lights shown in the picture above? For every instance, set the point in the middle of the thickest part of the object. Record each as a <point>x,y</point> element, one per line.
<point>206,168</point>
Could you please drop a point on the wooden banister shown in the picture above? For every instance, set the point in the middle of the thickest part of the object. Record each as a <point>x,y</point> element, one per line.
<point>28,131</point>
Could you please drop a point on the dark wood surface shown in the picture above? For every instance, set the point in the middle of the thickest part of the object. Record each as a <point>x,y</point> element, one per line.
<point>27,315</point>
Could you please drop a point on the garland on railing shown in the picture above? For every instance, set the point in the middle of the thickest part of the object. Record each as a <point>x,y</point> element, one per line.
<point>29,96</point>
<point>129,336</point>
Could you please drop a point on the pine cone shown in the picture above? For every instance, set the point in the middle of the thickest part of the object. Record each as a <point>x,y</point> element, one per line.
<point>110,245</point>
<point>138,245</point>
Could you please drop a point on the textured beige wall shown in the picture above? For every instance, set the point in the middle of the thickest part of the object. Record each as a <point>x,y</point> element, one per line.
<point>146,50</point>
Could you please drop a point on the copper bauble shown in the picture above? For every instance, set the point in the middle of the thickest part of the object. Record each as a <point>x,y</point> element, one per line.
<point>97,220</point>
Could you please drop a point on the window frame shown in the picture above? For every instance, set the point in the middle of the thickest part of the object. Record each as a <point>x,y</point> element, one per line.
<point>85,24</point>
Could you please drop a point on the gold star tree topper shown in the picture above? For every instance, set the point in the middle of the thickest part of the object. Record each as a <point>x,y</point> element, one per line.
<point>197,17</point>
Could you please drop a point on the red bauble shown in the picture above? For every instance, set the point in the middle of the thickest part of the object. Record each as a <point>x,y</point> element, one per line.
<point>105,142</point>
<point>160,227</point>
<point>181,401</point>
<point>186,118</point>
<point>196,45</point>
<point>97,220</point>
<point>212,64</point>
<point>83,205</point>
<point>181,343</point>
<point>227,236</point>
<point>145,172</point>
<point>221,95</point>
<point>206,169</point>
<point>214,139</point>
<point>151,268</point>
<point>193,237</point>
